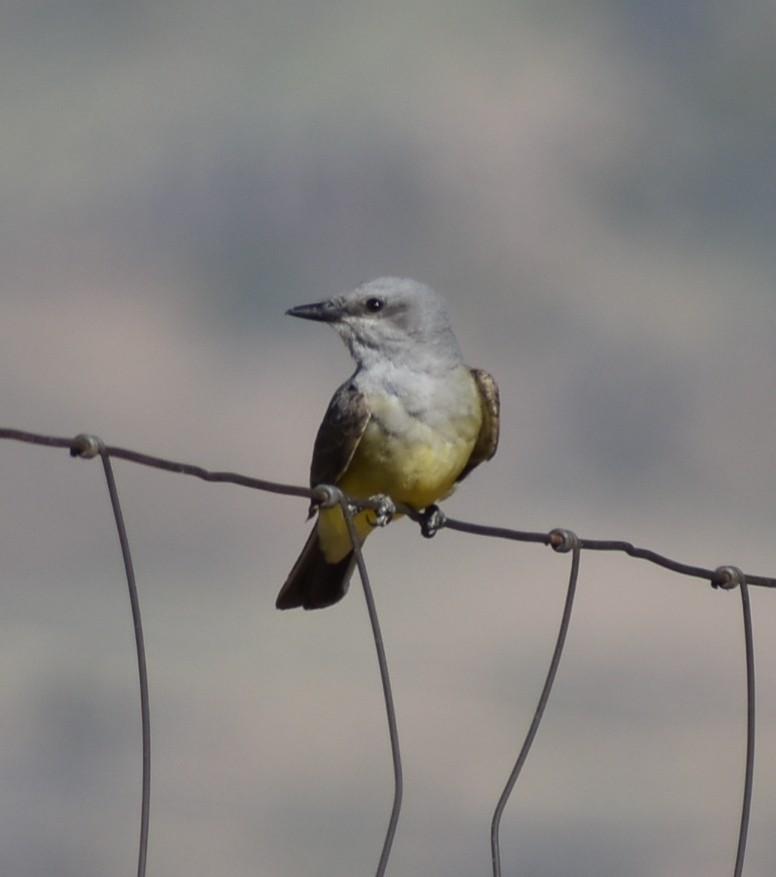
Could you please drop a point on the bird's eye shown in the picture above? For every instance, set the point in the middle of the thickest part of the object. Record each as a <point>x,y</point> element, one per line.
<point>373,305</point>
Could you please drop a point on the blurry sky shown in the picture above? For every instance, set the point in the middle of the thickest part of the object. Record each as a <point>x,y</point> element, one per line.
<point>593,187</point>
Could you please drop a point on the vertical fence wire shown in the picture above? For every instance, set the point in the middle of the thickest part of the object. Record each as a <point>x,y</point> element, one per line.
<point>145,712</point>
<point>87,447</point>
<point>569,542</point>
<point>750,729</point>
<point>393,731</point>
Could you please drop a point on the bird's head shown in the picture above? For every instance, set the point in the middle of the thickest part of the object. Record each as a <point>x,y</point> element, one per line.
<point>389,319</point>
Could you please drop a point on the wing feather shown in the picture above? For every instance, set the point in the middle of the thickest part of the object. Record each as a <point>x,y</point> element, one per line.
<point>339,434</point>
<point>487,441</point>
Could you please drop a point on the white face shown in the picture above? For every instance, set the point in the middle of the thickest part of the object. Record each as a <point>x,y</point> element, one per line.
<point>394,313</point>
<point>390,320</point>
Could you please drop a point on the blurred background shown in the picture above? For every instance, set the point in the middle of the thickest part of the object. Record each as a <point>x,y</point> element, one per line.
<point>593,187</point>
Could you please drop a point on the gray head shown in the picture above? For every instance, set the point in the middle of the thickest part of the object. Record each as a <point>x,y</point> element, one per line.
<point>390,319</point>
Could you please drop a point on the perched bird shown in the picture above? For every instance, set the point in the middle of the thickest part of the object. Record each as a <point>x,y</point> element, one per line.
<point>411,422</point>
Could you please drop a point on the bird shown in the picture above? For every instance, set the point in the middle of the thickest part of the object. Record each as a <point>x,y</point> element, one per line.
<point>410,423</point>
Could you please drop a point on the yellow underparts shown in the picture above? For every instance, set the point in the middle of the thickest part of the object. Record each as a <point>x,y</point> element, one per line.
<point>418,468</point>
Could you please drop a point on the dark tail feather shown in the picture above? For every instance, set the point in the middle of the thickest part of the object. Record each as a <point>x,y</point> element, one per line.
<point>314,583</point>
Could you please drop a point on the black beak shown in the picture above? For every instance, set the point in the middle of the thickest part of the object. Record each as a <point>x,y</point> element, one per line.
<point>321,312</point>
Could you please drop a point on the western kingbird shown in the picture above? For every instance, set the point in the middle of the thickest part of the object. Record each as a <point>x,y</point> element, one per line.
<point>411,422</point>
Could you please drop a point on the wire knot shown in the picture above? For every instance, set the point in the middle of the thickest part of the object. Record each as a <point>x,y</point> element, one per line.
<point>327,496</point>
<point>728,578</point>
<point>562,540</point>
<point>86,446</point>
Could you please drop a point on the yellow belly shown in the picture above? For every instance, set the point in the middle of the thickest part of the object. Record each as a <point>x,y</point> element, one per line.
<point>417,468</point>
<point>414,472</point>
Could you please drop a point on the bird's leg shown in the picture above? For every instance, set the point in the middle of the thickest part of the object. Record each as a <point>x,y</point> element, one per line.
<point>432,519</point>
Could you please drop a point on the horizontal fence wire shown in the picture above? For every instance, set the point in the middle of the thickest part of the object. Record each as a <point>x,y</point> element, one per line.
<point>430,520</point>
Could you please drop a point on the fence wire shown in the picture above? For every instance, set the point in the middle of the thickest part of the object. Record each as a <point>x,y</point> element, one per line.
<point>431,520</point>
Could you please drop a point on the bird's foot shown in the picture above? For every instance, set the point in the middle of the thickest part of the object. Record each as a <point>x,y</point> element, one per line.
<point>431,521</point>
<point>385,511</point>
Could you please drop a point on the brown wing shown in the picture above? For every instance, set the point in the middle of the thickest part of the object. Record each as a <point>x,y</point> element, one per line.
<point>339,434</point>
<point>487,441</point>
